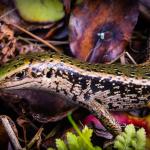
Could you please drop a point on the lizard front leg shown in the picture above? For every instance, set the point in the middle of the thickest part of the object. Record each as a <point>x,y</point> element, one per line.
<point>104,116</point>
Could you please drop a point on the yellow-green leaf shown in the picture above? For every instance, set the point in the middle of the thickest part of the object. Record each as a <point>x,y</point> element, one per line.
<point>40,10</point>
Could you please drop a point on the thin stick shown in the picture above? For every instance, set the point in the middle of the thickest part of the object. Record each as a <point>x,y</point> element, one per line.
<point>7,13</point>
<point>122,59</point>
<point>130,57</point>
<point>37,38</point>
<point>148,48</point>
<point>30,40</point>
<point>35,138</point>
<point>11,133</point>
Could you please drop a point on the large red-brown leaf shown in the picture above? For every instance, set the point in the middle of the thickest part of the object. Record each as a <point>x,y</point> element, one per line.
<point>100,29</point>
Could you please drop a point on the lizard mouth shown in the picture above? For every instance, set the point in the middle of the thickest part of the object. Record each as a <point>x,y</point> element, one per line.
<point>16,85</point>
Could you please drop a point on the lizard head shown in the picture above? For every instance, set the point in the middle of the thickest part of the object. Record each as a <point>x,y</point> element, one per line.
<point>24,72</point>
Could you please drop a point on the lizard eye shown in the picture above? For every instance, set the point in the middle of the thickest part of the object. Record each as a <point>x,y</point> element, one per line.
<point>20,75</point>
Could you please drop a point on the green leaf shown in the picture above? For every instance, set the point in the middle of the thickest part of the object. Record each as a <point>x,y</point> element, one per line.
<point>87,133</point>
<point>121,138</point>
<point>84,138</point>
<point>140,140</point>
<point>131,139</point>
<point>85,141</point>
<point>130,130</point>
<point>72,141</point>
<point>118,145</point>
<point>97,148</point>
<point>50,148</point>
<point>79,1</point>
<point>40,10</point>
<point>77,142</point>
<point>61,145</point>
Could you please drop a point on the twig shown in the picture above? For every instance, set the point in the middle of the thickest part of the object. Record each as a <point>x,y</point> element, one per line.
<point>53,132</point>
<point>31,34</point>
<point>122,59</point>
<point>32,124</point>
<point>30,41</point>
<point>11,133</point>
<point>37,38</point>
<point>35,138</point>
<point>7,13</point>
<point>148,47</point>
<point>130,57</point>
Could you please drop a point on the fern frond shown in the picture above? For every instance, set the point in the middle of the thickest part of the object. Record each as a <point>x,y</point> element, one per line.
<point>60,144</point>
<point>140,142</point>
<point>72,140</point>
<point>82,141</point>
<point>131,139</point>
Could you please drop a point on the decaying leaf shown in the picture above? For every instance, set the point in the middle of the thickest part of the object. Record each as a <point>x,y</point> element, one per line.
<point>100,30</point>
<point>7,42</point>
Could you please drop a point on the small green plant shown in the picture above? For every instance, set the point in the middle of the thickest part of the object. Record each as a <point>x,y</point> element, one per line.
<point>131,139</point>
<point>82,141</point>
<point>75,142</point>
